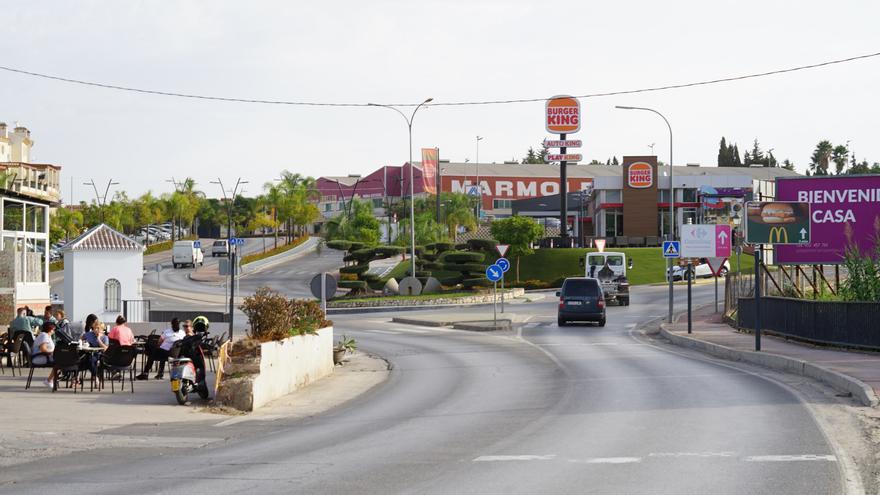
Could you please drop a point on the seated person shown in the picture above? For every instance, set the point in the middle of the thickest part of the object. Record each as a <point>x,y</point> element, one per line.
<point>44,346</point>
<point>121,333</point>
<point>160,354</point>
<point>21,324</point>
<point>63,334</point>
<point>96,338</point>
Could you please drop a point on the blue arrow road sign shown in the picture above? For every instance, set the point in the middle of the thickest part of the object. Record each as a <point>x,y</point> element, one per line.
<point>503,263</point>
<point>494,273</point>
<point>671,249</point>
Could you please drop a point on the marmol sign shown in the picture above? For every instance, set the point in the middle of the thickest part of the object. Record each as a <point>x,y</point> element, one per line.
<point>520,188</point>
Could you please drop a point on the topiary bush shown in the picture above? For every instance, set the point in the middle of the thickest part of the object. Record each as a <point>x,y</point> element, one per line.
<point>482,244</point>
<point>341,245</point>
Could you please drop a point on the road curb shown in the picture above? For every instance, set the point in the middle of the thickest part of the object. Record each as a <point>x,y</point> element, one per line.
<point>383,309</point>
<point>859,389</point>
<point>292,253</point>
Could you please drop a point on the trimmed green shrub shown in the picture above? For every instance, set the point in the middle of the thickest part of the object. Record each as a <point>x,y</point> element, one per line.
<point>461,246</point>
<point>476,282</point>
<point>464,267</point>
<point>422,274</point>
<point>482,244</point>
<point>356,269</point>
<point>389,251</point>
<point>341,245</point>
<point>362,255</point>
<point>353,284</point>
<point>441,247</point>
<point>462,257</point>
<point>356,246</point>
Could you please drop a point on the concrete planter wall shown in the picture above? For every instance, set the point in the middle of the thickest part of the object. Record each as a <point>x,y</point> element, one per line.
<point>276,369</point>
<point>439,300</point>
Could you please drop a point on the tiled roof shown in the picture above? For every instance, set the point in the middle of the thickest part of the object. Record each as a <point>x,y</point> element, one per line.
<point>103,238</point>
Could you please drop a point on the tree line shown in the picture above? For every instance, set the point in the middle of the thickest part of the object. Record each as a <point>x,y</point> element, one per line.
<point>286,205</point>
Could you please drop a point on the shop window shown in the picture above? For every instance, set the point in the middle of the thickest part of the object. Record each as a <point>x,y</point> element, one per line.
<point>112,296</point>
<point>613,223</point>
<point>502,203</point>
<point>689,195</point>
<point>613,197</point>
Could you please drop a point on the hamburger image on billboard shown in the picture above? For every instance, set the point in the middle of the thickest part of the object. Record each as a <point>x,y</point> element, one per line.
<point>777,222</point>
<point>640,175</point>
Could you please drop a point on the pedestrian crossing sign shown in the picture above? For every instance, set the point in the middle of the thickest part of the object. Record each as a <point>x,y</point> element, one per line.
<point>671,249</point>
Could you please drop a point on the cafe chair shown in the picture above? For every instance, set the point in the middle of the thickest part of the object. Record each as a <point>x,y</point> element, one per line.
<point>119,358</point>
<point>49,364</point>
<point>12,352</point>
<point>66,363</point>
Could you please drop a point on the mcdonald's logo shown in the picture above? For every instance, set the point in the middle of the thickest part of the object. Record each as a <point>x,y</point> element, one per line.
<point>780,234</point>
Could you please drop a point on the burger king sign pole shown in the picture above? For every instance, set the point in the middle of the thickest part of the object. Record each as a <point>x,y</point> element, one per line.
<point>563,116</point>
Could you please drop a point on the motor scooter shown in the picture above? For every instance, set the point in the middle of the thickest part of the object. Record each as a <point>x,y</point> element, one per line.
<point>187,363</point>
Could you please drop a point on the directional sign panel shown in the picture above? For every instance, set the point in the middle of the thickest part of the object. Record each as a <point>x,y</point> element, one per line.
<point>705,241</point>
<point>494,273</point>
<point>779,222</point>
<point>503,263</point>
<point>671,249</point>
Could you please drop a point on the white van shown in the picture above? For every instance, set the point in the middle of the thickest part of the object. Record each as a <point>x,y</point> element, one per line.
<point>187,253</point>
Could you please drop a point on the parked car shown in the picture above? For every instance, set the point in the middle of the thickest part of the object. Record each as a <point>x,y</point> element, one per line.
<point>581,299</point>
<point>701,270</point>
<point>220,248</point>
<point>187,253</point>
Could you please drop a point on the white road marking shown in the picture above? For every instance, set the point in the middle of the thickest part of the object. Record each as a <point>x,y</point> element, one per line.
<point>383,331</point>
<point>790,458</point>
<point>607,460</point>
<point>691,454</point>
<point>503,458</point>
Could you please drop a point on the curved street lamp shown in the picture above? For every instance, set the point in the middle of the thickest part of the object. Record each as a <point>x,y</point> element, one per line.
<point>412,216</point>
<point>671,198</point>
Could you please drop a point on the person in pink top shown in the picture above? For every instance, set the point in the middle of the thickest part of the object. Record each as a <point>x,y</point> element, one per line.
<point>121,333</point>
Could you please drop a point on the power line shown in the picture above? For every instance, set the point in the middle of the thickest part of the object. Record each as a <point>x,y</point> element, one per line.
<point>458,103</point>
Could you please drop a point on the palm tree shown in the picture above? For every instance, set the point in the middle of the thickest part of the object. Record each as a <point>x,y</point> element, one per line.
<point>457,213</point>
<point>274,198</point>
<point>821,157</point>
<point>839,156</point>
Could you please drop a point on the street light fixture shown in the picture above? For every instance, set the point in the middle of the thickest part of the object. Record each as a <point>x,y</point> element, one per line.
<point>412,209</point>
<point>232,249</point>
<point>671,198</point>
<point>102,201</point>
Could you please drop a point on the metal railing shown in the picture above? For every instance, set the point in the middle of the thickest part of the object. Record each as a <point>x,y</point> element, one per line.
<point>850,324</point>
<point>136,310</point>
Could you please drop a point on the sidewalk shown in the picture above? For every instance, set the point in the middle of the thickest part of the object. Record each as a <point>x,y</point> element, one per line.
<point>41,424</point>
<point>849,371</point>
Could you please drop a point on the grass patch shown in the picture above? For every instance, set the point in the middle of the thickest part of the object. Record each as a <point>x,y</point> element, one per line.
<point>56,266</point>
<point>649,266</point>
<point>272,252</point>
<point>158,247</point>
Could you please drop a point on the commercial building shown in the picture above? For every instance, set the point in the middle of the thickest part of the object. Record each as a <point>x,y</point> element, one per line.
<point>615,206</point>
<point>27,192</point>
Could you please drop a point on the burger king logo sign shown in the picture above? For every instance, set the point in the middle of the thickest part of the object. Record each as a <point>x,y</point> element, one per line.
<point>640,175</point>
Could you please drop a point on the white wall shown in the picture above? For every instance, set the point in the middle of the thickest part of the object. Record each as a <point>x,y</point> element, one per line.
<point>85,273</point>
<point>292,363</point>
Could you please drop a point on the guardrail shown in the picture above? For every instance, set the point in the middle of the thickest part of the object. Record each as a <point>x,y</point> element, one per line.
<point>849,324</point>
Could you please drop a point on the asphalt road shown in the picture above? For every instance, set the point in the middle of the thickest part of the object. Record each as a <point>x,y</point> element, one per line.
<point>577,409</point>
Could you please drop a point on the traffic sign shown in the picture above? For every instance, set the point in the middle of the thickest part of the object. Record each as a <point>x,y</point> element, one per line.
<point>329,286</point>
<point>716,264</point>
<point>568,143</point>
<point>494,273</point>
<point>600,244</point>
<point>197,244</point>
<point>705,241</point>
<point>671,249</point>
<point>502,249</point>
<point>237,241</point>
<point>503,263</point>
<point>562,115</point>
<point>568,157</point>
<point>779,222</point>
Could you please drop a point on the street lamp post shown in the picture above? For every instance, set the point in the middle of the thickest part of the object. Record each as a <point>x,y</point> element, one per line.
<point>101,200</point>
<point>671,200</point>
<point>232,249</point>
<point>479,187</point>
<point>412,209</point>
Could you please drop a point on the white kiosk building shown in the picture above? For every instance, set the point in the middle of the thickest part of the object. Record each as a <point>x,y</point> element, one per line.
<point>103,274</point>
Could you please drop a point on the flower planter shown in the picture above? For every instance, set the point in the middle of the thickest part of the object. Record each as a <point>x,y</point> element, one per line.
<point>274,369</point>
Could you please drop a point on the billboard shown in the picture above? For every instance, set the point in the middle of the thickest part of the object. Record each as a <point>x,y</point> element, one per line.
<point>777,222</point>
<point>563,115</point>
<point>705,241</point>
<point>845,211</point>
<point>640,175</point>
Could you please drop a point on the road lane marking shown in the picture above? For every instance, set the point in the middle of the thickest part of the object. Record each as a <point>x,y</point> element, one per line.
<point>691,454</point>
<point>607,460</point>
<point>791,458</point>
<point>383,331</point>
<point>504,458</point>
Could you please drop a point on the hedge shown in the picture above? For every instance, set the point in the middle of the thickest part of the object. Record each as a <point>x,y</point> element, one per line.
<point>462,257</point>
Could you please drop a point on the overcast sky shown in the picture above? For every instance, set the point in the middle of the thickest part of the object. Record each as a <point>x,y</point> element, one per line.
<point>388,52</point>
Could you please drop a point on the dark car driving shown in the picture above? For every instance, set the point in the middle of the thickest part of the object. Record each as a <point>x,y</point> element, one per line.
<point>581,299</point>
